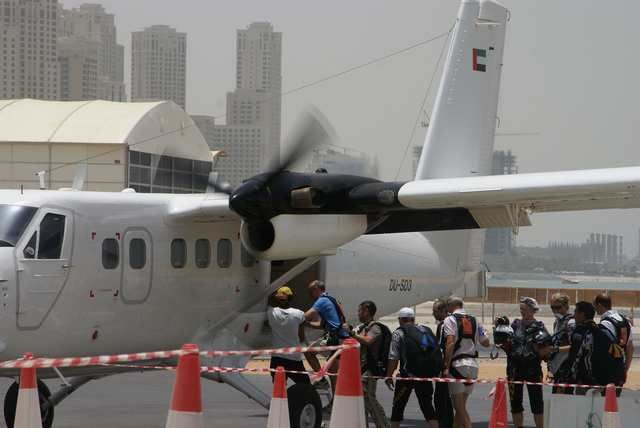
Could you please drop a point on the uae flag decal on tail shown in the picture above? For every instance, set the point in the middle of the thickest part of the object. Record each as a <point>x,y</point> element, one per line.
<point>480,60</point>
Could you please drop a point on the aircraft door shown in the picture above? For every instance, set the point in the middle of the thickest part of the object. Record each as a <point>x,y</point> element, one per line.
<point>44,263</point>
<point>137,266</point>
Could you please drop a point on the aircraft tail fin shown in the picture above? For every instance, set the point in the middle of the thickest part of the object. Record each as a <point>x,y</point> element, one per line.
<point>460,137</point>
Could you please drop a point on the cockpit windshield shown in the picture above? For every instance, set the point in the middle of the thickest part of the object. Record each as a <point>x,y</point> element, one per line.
<point>13,221</point>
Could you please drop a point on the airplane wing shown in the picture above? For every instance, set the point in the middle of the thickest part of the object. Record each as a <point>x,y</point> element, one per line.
<point>507,200</point>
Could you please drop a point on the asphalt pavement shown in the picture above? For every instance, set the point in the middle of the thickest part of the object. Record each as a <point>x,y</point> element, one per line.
<point>142,400</point>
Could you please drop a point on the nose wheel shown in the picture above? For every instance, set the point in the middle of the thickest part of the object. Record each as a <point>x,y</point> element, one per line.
<point>305,406</point>
<point>11,402</point>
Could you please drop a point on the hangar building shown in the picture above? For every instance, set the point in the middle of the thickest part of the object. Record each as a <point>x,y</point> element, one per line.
<point>148,146</point>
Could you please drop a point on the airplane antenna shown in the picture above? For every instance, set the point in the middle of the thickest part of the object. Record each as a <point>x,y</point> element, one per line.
<point>22,189</point>
<point>41,175</point>
<point>80,176</point>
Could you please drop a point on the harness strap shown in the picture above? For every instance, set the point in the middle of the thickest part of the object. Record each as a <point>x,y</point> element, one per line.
<point>474,327</point>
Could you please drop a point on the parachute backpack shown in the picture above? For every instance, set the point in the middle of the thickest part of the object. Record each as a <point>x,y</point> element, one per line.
<point>467,327</point>
<point>423,357</point>
<point>377,364</point>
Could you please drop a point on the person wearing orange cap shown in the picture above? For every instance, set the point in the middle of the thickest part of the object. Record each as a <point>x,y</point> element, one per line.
<point>286,328</point>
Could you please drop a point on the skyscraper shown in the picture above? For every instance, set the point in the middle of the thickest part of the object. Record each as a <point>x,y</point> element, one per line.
<point>78,59</point>
<point>28,51</point>
<point>259,69</point>
<point>159,65</point>
<point>91,23</point>
<point>251,135</point>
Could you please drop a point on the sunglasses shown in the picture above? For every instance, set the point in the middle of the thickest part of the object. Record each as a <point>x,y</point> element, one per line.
<point>556,307</point>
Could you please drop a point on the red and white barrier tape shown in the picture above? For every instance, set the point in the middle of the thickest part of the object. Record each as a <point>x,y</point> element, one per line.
<point>266,370</point>
<point>120,360</point>
<point>87,361</point>
<point>142,356</point>
<point>264,352</point>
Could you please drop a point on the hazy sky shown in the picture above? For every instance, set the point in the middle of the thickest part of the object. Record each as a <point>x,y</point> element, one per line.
<point>570,73</point>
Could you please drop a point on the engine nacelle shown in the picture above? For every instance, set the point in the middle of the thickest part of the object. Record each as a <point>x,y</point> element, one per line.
<point>289,236</point>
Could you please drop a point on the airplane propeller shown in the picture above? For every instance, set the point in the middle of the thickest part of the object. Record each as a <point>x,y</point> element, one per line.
<point>215,184</point>
<point>312,130</point>
<point>254,198</point>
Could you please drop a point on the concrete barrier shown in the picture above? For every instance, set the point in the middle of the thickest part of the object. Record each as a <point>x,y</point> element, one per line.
<point>587,411</point>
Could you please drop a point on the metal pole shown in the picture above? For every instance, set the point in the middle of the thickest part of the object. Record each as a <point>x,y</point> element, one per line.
<point>493,311</point>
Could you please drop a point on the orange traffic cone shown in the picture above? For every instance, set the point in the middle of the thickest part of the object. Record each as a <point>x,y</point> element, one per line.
<point>186,401</point>
<point>28,408</point>
<point>279,408</point>
<point>499,410</point>
<point>348,402</point>
<point>610,417</point>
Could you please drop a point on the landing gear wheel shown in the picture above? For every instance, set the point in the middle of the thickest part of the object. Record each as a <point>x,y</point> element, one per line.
<point>305,407</point>
<point>11,402</point>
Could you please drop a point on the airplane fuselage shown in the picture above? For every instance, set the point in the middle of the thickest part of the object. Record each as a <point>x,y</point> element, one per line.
<point>104,273</point>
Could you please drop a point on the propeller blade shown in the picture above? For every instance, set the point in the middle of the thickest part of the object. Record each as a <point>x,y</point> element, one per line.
<point>213,183</point>
<point>312,130</point>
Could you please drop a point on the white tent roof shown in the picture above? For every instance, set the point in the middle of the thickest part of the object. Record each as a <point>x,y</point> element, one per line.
<point>160,127</point>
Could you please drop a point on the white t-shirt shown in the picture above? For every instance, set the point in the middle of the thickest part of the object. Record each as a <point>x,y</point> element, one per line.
<point>285,324</point>
<point>450,328</point>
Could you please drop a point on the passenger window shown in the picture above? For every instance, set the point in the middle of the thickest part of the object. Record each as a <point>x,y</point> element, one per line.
<point>29,251</point>
<point>51,236</point>
<point>137,253</point>
<point>110,253</point>
<point>246,258</point>
<point>225,253</point>
<point>203,253</point>
<point>178,253</point>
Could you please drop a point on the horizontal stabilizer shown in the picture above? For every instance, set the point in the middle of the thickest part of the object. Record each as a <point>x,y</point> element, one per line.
<point>538,192</point>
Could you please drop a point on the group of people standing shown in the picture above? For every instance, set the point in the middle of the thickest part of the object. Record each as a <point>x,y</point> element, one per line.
<point>413,350</point>
<point>577,351</point>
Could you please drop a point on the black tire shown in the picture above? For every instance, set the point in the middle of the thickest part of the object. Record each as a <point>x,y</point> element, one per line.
<point>305,407</point>
<point>11,402</point>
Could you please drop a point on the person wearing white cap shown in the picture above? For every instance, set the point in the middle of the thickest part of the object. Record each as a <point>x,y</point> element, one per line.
<point>415,348</point>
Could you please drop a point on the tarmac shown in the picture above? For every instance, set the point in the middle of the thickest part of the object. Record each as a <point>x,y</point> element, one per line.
<point>142,400</point>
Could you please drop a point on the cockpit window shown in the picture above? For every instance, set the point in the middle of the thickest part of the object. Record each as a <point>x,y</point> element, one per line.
<point>51,236</point>
<point>13,221</point>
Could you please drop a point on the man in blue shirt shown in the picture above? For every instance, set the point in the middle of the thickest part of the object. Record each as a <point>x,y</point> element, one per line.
<point>325,314</point>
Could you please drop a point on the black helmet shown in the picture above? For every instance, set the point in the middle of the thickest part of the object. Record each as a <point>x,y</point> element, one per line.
<point>503,320</point>
<point>502,334</point>
<point>542,338</point>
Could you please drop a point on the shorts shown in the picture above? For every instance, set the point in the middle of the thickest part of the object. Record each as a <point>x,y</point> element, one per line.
<point>424,394</point>
<point>462,372</point>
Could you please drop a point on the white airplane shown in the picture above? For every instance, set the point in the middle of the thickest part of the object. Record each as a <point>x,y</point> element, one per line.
<point>87,273</point>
